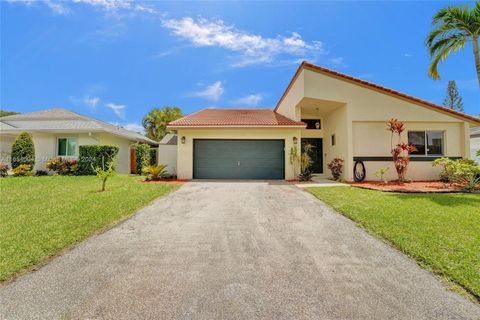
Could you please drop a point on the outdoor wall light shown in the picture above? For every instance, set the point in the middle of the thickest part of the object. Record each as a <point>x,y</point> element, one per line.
<point>295,140</point>
<point>183,140</point>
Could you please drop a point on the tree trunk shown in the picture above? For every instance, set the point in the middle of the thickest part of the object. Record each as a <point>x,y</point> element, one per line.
<point>103,184</point>
<point>477,57</point>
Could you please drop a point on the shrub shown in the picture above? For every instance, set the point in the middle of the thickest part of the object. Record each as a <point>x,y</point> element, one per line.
<point>380,173</point>
<point>155,173</point>
<point>305,163</point>
<point>23,170</point>
<point>464,172</point>
<point>142,156</point>
<point>93,156</point>
<point>23,150</point>
<point>336,167</point>
<point>39,173</point>
<point>153,156</point>
<point>63,167</point>
<point>401,151</point>
<point>3,170</point>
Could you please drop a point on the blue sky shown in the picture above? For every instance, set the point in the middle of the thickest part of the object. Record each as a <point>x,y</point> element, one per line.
<point>115,60</point>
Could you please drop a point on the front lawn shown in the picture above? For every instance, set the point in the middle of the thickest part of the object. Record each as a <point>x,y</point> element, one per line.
<point>441,231</point>
<point>40,216</point>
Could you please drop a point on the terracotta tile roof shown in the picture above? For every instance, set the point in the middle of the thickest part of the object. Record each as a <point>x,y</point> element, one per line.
<point>235,117</point>
<point>345,77</point>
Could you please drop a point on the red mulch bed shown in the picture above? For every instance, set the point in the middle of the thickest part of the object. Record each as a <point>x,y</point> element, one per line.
<point>414,186</point>
<point>177,181</point>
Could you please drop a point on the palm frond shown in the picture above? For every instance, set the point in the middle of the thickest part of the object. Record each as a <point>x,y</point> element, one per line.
<point>454,46</point>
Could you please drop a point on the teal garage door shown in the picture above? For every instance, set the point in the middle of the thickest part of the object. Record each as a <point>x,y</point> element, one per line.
<point>238,159</point>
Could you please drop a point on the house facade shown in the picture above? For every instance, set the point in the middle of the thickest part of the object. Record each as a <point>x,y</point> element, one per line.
<point>339,115</point>
<point>59,133</point>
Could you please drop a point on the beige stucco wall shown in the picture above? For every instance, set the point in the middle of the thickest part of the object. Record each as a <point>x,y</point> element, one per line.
<point>474,147</point>
<point>46,147</point>
<point>167,155</point>
<point>185,151</point>
<point>372,139</point>
<point>288,105</point>
<point>336,123</point>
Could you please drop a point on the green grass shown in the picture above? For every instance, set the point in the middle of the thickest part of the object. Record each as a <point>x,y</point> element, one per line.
<point>41,216</point>
<point>440,231</point>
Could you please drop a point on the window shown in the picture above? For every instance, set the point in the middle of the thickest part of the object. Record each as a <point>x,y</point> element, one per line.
<point>67,147</point>
<point>333,139</point>
<point>313,124</point>
<point>428,143</point>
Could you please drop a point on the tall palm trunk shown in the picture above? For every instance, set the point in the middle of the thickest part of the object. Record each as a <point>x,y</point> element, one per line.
<point>477,57</point>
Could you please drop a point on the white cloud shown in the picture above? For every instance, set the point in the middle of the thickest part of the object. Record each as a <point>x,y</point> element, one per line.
<point>408,55</point>
<point>251,100</point>
<point>91,101</point>
<point>212,92</point>
<point>134,127</point>
<point>130,126</point>
<point>109,6</point>
<point>57,7</point>
<point>252,48</point>
<point>118,109</point>
<point>337,61</point>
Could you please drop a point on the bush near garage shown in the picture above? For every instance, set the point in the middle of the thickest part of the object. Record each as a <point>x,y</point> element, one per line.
<point>142,156</point>
<point>93,156</point>
<point>153,156</point>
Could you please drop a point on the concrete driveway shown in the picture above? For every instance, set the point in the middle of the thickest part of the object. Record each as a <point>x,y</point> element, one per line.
<point>233,250</point>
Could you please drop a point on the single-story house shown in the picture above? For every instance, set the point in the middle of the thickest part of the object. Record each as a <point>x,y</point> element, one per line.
<point>475,143</point>
<point>339,115</point>
<point>59,132</point>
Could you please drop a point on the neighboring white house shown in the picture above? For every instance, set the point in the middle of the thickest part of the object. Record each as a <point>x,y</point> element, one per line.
<point>475,143</point>
<point>59,132</point>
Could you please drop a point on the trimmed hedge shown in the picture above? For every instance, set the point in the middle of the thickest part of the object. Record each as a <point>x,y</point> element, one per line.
<point>23,150</point>
<point>142,156</point>
<point>94,155</point>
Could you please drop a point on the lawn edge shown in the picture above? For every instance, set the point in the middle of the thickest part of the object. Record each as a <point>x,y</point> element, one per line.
<point>445,279</point>
<point>14,277</point>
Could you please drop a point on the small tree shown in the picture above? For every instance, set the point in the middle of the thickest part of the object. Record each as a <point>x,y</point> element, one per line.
<point>401,151</point>
<point>453,100</point>
<point>305,163</point>
<point>294,159</point>
<point>104,172</point>
<point>23,150</point>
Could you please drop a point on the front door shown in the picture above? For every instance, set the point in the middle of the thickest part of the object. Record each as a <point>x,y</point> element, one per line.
<point>316,154</point>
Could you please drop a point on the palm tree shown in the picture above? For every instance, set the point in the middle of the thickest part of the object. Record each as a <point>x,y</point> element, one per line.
<point>155,122</point>
<point>453,28</point>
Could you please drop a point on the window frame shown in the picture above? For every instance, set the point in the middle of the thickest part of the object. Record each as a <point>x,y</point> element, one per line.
<point>314,120</point>
<point>425,137</point>
<point>66,147</point>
